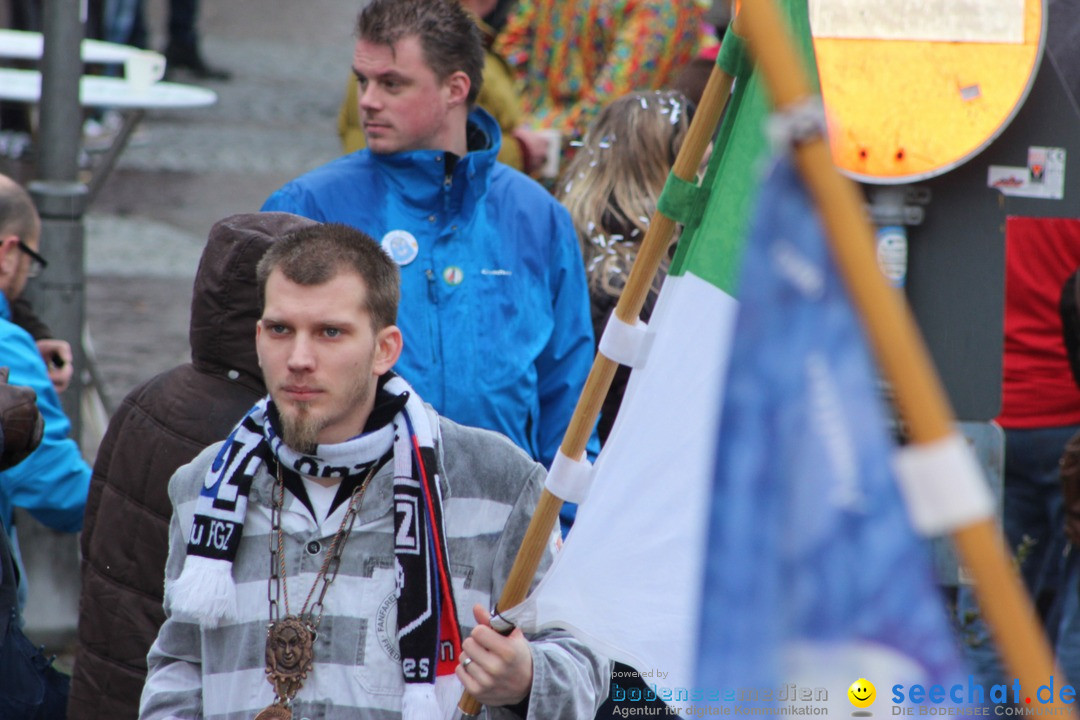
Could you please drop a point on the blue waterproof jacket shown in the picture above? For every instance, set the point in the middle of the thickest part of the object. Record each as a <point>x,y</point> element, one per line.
<point>494,304</point>
<point>52,482</point>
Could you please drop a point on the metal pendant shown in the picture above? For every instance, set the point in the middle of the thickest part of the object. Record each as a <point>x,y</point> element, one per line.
<point>274,712</point>
<point>289,653</point>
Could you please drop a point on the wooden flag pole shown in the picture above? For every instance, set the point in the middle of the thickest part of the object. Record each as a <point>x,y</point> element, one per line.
<point>653,248</point>
<point>899,349</point>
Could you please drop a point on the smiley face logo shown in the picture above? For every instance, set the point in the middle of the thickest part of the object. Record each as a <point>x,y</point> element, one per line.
<point>862,693</point>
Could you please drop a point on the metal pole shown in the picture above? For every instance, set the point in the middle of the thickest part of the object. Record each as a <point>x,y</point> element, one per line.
<point>58,295</point>
<point>61,67</point>
<point>51,559</point>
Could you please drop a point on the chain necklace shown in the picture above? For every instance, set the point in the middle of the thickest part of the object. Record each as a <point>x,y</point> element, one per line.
<point>290,640</point>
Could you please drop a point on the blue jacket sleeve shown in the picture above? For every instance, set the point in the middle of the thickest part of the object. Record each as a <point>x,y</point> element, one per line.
<point>53,481</point>
<point>565,362</point>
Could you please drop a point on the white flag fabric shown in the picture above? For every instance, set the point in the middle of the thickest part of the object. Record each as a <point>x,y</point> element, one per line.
<point>635,550</point>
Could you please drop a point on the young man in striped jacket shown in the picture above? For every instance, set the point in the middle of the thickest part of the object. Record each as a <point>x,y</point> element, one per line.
<point>335,557</point>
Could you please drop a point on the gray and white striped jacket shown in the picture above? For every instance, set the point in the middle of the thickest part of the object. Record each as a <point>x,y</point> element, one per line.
<point>489,488</point>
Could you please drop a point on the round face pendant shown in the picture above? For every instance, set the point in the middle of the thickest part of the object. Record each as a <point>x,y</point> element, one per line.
<point>288,658</point>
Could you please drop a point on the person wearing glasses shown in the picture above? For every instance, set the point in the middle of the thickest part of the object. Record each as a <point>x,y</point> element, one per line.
<point>52,482</point>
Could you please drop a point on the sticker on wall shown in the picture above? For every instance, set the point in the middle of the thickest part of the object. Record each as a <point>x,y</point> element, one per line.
<point>1044,176</point>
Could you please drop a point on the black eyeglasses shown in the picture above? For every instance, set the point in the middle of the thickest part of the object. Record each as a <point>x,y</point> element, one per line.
<point>37,263</point>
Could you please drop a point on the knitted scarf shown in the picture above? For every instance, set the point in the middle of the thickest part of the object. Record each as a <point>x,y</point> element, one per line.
<point>429,637</point>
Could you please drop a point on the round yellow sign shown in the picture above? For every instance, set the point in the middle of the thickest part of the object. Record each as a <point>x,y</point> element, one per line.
<point>914,88</point>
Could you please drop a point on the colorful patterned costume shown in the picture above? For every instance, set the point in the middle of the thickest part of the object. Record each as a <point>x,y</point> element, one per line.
<point>573,56</point>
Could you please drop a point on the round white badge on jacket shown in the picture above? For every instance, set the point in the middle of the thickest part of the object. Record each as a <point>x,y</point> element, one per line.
<point>401,246</point>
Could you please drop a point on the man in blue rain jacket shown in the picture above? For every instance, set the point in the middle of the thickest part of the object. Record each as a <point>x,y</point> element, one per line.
<point>493,293</point>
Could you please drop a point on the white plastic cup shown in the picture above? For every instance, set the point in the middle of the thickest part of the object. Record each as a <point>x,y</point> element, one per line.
<point>144,68</point>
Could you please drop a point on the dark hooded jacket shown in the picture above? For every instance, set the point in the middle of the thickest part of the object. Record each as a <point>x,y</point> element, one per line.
<point>161,425</point>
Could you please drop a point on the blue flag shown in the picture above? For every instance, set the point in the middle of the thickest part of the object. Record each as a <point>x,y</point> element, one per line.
<point>815,583</point>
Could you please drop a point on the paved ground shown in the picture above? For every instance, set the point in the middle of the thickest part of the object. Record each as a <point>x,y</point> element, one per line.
<point>186,169</point>
<point>274,120</point>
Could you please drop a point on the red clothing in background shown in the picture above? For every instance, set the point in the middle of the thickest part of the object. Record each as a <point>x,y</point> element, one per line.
<point>1038,389</point>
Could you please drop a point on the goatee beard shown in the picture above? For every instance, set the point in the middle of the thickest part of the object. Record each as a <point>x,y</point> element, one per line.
<point>300,431</point>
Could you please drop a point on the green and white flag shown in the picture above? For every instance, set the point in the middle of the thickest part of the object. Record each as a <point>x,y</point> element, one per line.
<point>627,581</point>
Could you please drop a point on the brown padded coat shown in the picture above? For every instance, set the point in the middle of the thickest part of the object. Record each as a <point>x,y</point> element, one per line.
<point>161,425</point>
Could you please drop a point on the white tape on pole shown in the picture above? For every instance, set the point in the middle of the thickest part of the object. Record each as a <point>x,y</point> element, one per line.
<point>569,479</point>
<point>624,343</point>
<point>943,486</point>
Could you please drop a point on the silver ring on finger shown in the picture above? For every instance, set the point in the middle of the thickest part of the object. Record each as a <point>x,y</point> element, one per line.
<point>465,662</point>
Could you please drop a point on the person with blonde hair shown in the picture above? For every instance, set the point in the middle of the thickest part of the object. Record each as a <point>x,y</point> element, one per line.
<point>610,188</point>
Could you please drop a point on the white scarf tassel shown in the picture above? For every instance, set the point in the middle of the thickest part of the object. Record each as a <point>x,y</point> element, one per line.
<point>424,701</point>
<point>448,691</point>
<point>205,592</point>
<point>419,703</point>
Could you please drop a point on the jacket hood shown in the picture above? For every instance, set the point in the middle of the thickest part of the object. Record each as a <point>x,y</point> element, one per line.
<point>225,303</point>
